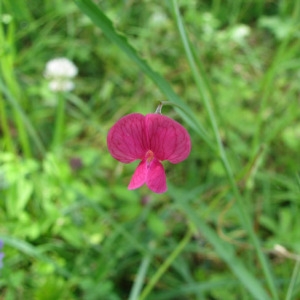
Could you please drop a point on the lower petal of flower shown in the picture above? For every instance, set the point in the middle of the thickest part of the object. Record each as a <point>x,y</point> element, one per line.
<point>156,177</point>
<point>139,176</point>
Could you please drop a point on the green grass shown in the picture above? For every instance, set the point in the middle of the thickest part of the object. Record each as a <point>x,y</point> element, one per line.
<point>70,227</point>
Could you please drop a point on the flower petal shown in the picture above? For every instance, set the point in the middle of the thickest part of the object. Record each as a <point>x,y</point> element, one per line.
<point>156,177</point>
<point>167,138</point>
<point>139,176</point>
<point>127,139</point>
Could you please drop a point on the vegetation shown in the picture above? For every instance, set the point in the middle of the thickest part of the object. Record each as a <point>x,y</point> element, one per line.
<point>228,226</point>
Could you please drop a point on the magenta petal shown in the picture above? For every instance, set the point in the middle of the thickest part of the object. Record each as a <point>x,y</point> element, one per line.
<point>167,138</point>
<point>139,176</point>
<point>127,139</point>
<point>156,177</point>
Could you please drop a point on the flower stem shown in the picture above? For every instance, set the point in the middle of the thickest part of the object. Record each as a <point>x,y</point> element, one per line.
<point>162,103</point>
<point>158,109</point>
<point>59,121</point>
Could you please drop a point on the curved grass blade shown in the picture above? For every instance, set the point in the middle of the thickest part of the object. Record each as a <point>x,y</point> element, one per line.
<point>32,251</point>
<point>100,20</point>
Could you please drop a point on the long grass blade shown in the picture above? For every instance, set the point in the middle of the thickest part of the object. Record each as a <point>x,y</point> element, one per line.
<point>139,281</point>
<point>100,19</point>
<point>203,91</point>
<point>293,281</point>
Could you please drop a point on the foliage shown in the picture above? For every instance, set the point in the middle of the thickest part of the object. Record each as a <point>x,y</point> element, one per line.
<point>70,227</point>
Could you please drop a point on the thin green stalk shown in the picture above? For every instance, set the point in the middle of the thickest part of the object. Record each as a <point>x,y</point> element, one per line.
<point>140,278</point>
<point>59,121</point>
<point>207,102</point>
<point>293,281</point>
<point>22,135</point>
<point>163,268</point>
<point>8,142</point>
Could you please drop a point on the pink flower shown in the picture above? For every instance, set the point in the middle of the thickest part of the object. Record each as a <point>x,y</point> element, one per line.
<point>151,138</point>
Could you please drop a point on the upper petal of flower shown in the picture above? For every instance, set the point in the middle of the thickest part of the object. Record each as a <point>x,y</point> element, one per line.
<point>127,139</point>
<point>167,138</point>
<point>156,177</point>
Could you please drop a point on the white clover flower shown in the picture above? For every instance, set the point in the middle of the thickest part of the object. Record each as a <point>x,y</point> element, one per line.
<point>61,85</point>
<point>60,71</point>
<point>6,18</point>
<point>158,19</point>
<point>240,32</point>
<point>60,67</point>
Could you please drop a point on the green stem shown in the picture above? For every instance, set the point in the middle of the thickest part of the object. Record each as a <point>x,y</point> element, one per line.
<point>162,103</point>
<point>59,121</point>
<point>22,134</point>
<point>138,283</point>
<point>163,268</point>
<point>8,143</point>
<point>293,281</point>
<point>207,103</point>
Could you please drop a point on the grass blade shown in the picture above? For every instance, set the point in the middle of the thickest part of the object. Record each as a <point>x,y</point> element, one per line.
<point>100,19</point>
<point>226,253</point>
<point>138,283</point>
<point>203,91</point>
<point>14,103</point>
<point>32,251</point>
<point>293,281</point>
<point>154,279</point>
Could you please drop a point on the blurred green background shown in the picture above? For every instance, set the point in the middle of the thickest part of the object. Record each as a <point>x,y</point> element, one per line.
<point>70,227</point>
